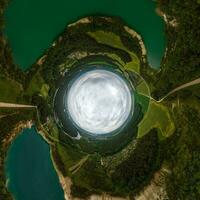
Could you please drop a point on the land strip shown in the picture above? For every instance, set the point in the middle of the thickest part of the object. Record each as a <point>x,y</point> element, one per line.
<point>12,105</point>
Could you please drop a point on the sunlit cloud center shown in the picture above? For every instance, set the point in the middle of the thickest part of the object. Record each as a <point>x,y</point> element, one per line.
<point>99,101</point>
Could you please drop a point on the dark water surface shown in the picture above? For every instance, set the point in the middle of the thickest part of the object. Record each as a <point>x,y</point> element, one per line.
<point>30,170</point>
<point>32,25</point>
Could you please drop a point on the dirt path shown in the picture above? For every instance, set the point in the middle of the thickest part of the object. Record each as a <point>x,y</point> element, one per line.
<point>194,82</point>
<point>12,105</point>
<point>77,166</point>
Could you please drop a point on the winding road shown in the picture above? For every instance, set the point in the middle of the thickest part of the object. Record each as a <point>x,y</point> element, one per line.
<point>194,82</point>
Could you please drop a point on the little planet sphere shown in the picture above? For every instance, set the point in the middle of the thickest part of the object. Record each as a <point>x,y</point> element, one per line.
<point>99,101</point>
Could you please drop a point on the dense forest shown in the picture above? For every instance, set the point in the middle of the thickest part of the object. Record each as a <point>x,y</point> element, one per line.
<point>182,61</point>
<point>136,172</point>
<point>181,151</point>
<point>181,65</point>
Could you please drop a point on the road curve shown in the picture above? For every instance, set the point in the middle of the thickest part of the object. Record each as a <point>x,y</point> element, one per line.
<point>194,82</point>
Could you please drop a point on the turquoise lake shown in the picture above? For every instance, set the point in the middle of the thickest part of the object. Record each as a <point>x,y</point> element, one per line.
<point>30,170</point>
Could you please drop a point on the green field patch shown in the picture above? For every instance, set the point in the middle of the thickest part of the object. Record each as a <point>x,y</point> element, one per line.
<point>108,38</point>
<point>93,177</point>
<point>115,57</point>
<point>132,66</point>
<point>10,90</point>
<point>113,40</point>
<point>78,165</point>
<point>51,128</point>
<point>35,85</point>
<point>69,155</point>
<point>44,90</point>
<point>143,101</point>
<point>157,116</point>
<point>143,89</point>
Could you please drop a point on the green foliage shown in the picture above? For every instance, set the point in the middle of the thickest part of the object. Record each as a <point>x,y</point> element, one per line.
<point>113,40</point>
<point>183,156</point>
<point>10,90</point>
<point>182,60</point>
<point>157,116</point>
<point>69,155</point>
<point>35,84</point>
<point>142,100</point>
<point>80,192</point>
<point>136,171</point>
<point>180,66</point>
<point>92,177</point>
<point>42,107</point>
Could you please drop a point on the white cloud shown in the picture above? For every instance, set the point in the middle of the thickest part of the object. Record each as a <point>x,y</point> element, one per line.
<point>99,101</point>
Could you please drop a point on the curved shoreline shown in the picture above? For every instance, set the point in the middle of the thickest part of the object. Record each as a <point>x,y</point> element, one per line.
<point>7,142</point>
<point>139,37</point>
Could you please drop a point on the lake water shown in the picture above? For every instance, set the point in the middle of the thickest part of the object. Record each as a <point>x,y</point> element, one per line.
<point>29,169</point>
<point>32,26</point>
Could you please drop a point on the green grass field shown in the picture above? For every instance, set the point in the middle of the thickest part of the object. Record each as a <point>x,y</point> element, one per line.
<point>44,90</point>
<point>10,90</point>
<point>143,101</point>
<point>69,155</point>
<point>143,89</point>
<point>114,40</point>
<point>157,116</point>
<point>93,177</point>
<point>35,85</point>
